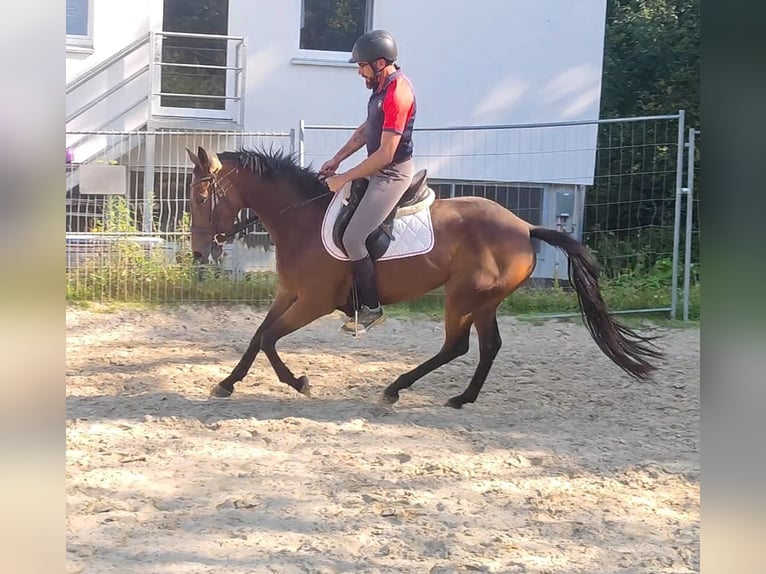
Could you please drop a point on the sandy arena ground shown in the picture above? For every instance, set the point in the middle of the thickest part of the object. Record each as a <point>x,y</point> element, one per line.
<point>563,465</point>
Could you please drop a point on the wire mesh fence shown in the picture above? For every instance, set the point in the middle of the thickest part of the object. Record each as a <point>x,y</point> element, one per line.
<point>127,220</point>
<point>613,184</point>
<point>630,209</point>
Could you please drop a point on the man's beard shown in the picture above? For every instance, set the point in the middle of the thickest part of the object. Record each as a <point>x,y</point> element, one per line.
<point>371,83</point>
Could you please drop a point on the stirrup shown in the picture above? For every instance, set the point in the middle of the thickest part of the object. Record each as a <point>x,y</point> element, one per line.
<point>363,320</point>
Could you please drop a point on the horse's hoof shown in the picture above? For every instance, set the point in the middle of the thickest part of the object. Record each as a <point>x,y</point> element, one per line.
<point>303,386</point>
<point>383,410</point>
<point>388,400</point>
<point>219,392</point>
<point>454,402</point>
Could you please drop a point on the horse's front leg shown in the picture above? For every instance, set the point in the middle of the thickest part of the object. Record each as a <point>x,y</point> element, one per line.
<point>302,312</point>
<point>281,303</point>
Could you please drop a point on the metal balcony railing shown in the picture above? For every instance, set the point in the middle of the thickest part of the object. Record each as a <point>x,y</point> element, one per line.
<point>185,58</point>
<point>185,68</point>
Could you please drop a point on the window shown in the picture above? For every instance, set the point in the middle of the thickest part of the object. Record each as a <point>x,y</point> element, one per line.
<point>194,17</point>
<point>523,200</point>
<point>333,25</point>
<point>79,24</point>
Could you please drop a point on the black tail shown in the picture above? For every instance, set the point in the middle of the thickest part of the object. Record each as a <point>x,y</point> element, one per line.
<point>626,348</point>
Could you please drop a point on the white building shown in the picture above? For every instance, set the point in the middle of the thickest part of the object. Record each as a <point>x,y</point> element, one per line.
<point>278,62</point>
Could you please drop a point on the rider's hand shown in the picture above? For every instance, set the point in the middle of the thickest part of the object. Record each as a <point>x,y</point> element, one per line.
<point>329,168</point>
<point>336,182</point>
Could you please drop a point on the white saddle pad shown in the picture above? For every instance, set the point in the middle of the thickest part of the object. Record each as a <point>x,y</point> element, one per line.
<point>413,230</point>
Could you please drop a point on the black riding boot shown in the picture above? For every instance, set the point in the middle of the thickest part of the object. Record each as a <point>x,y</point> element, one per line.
<point>370,311</point>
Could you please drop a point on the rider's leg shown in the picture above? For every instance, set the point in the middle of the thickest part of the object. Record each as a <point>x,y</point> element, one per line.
<point>383,193</point>
<point>370,311</point>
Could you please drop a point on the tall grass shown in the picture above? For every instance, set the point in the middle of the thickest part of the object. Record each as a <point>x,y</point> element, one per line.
<point>129,272</point>
<point>133,276</point>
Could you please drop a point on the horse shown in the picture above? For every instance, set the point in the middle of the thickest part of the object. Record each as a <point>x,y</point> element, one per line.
<point>482,252</point>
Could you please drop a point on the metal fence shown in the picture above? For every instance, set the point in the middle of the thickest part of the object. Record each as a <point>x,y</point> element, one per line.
<point>130,240</point>
<point>618,185</point>
<point>691,229</point>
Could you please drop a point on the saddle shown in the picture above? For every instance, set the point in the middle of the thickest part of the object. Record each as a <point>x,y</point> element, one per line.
<point>379,240</point>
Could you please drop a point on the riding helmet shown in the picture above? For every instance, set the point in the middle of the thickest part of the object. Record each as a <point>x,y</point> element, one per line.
<point>373,46</point>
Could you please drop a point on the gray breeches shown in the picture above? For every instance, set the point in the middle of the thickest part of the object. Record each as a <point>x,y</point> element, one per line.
<point>386,188</point>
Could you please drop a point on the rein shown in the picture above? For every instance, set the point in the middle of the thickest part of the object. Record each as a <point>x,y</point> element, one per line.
<point>302,203</point>
<point>221,238</point>
<point>216,193</point>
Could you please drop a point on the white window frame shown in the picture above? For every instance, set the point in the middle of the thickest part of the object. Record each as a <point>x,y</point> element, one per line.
<point>77,43</point>
<point>327,57</point>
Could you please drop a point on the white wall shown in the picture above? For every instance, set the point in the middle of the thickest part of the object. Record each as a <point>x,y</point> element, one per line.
<point>522,62</point>
<point>116,23</point>
<point>280,93</point>
<point>501,62</point>
<point>511,61</point>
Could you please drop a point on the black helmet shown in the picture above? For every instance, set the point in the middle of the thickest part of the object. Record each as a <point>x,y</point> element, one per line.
<point>373,46</point>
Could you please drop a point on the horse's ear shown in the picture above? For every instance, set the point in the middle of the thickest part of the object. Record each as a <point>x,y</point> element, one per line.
<point>194,159</point>
<point>202,154</point>
<point>210,162</point>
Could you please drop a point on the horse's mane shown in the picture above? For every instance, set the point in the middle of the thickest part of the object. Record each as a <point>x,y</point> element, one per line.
<point>277,163</point>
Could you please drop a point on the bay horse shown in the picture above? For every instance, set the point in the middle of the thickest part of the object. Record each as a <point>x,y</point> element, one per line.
<point>482,253</point>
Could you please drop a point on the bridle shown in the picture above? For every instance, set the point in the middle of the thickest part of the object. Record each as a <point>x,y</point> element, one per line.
<point>217,195</point>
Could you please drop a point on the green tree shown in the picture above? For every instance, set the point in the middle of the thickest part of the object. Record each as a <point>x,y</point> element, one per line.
<point>651,67</point>
<point>651,58</point>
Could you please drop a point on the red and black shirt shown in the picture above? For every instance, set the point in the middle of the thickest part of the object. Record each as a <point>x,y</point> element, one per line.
<point>392,108</point>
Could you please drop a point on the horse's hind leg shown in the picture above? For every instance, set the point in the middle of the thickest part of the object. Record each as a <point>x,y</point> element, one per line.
<point>489,345</point>
<point>457,331</point>
<point>281,303</point>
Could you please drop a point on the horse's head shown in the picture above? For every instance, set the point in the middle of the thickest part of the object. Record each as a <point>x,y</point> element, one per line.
<point>212,209</point>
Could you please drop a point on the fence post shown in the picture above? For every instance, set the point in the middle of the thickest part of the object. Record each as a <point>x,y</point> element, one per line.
<point>242,75</point>
<point>149,159</point>
<point>689,221</point>
<point>154,76</point>
<point>301,142</point>
<point>677,220</point>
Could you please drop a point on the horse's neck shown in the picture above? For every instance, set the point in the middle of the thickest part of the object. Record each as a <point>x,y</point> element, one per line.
<point>282,208</point>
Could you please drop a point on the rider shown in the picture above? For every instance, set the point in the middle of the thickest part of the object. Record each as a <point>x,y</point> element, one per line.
<point>387,133</point>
